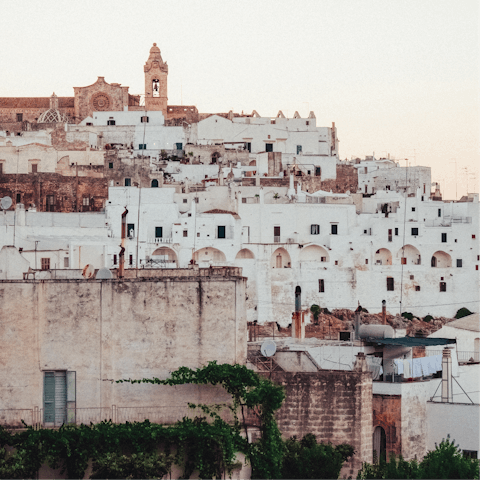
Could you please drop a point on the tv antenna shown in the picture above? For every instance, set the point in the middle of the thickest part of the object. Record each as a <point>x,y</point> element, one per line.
<point>104,274</point>
<point>5,203</point>
<point>268,348</point>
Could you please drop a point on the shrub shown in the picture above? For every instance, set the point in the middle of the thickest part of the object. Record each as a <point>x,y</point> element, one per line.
<point>463,312</point>
<point>407,315</point>
<point>428,318</point>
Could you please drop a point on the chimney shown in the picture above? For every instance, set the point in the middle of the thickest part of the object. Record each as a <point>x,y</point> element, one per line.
<point>447,396</point>
<point>357,325</point>
<point>384,312</point>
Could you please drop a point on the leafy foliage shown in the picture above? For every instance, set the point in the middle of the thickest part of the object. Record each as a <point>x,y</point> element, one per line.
<point>308,459</point>
<point>446,461</point>
<point>463,312</point>
<point>407,315</point>
<point>427,318</point>
<point>316,310</point>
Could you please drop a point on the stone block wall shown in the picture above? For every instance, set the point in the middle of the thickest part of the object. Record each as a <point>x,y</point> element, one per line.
<point>334,405</point>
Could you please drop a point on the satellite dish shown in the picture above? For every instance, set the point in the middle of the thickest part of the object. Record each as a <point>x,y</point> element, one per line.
<point>88,271</point>
<point>6,203</point>
<point>104,274</point>
<point>268,348</point>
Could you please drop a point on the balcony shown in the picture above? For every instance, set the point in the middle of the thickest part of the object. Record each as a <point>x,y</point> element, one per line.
<point>159,240</point>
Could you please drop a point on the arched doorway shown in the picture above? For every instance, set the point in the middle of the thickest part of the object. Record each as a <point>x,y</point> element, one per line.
<point>298,299</point>
<point>163,257</point>
<point>154,183</point>
<point>379,445</point>
<point>209,256</point>
<point>280,259</point>
<point>441,260</point>
<point>245,254</point>
<point>314,253</point>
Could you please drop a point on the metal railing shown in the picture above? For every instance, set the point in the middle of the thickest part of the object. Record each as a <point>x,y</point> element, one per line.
<point>165,415</point>
<point>159,240</point>
<point>463,356</point>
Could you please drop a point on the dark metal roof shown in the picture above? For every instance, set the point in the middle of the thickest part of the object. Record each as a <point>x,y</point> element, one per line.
<point>412,341</point>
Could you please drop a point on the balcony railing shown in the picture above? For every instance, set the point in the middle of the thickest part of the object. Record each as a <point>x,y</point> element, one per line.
<point>277,239</point>
<point>159,240</point>
<point>464,356</point>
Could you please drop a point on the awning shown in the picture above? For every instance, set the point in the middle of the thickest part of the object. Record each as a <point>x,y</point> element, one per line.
<point>412,341</point>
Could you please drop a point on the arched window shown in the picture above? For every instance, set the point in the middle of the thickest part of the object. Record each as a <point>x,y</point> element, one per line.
<point>379,445</point>
<point>154,183</point>
<point>434,261</point>
<point>298,299</point>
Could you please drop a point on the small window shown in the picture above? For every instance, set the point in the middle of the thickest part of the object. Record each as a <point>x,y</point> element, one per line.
<point>142,146</point>
<point>179,146</point>
<point>314,229</point>
<point>244,200</point>
<point>439,212</point>
<point>45,264</point>
<point>85,201</point>
<point>307,123</point>
<point>459,263</point>
<point>417,288</point>
<point>154,183</point>
<point>272,122</point>
<point>19,117</point>
<point>131,230</point>
<point>390,235</point>
<point>321,285</point>
<point>476,267</point>
<point>89,124</point>
<point>443,286</point>
<point>269,147</point>
<point>221,231</point>
<point>334,229</point>
<point>110,122</point>
<point>114,259</point>
<point>198,234</point>
<point>404,260</point>
<point>299,149</point>
<point>366,261</point>
<point>185,200</point>
<point>336,262</point>
<point>396,231</point>
<point>248,146</point>
<point>158,232</point>
<point>196,199</point>
<point>470,454</point>
<point>110,164</point>
<point>415,231</point>
<point>1,168</point>
<point>130,259</point>
<point>128,182</point>
<point>34,168</point>
<point>185,233</point>
<point>66,262</point>
<point>473,236</point>
<point>413,209</point>
<point>144,119</point>
<point>412,277</point>
<point>318,171</point>
<point>323,259</point>
<point>387,187</point>
<point>390,284</point>
<point>444,238</point>
<point>19,197</point>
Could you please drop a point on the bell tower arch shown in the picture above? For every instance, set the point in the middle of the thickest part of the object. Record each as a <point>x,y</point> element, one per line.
<point>156,73</point>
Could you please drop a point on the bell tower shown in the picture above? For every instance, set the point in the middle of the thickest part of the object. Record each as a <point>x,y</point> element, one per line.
<point>156,72</point>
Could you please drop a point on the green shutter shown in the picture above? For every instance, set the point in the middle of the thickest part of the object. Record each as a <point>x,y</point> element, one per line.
<point>49,397</point>
<point>60,398</point>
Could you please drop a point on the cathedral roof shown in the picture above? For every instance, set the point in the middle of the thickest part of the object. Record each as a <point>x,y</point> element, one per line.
<point>52,116</point>
<point>34,102</point>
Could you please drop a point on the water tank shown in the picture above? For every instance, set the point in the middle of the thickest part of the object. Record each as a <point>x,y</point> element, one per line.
<point>376,331</point>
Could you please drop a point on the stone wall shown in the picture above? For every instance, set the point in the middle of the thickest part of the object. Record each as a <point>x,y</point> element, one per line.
<point>117,329</point>
<point>347,180</point>
<point>60,142</point>
<point>68,191</point>
<point>334,405</point>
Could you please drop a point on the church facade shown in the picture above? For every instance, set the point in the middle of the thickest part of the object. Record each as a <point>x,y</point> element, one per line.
<point>24,113</point>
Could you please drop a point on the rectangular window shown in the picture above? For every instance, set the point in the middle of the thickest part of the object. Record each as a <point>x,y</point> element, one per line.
<point>130,259</point>
<point>86,201</point>
<point>389,234</point>
<point>413,209</point>
<point>114,259</point>
<point>323,259</point>
<point>269,147</point>
<point>314,229</point>
<point>307,123</point>
<point>459,263</point>
<point>34,168</point>
<point>158,232</point>
<point>45,263</point>
<point>185,200</point>
<point>185,233</point>
<point>144,119</point>
<point>59,397</point>
<point>439,212</point>
<point>417,288</point>
<point>366,261</point>
<point>336,262</point>
<point>50,203</point>
<point>473,237</point>
<point>443,286</point>
<point>318,171</point>
<point>66,262</point>
<point>19,198</point>
<point>334,229</point>
<point>390,284</point>
<point>414,231</point>
<point>221,231</point>
<point>131,230</point>
<point>321,285</point>
<point>110,122</point>
<point>179,146</point>
<point>196,199</point>
<point>396,232</point>
<point>387,187</point>
<point>470,454</point>
<point>19,117</point>
<point>404,260</point>
<point>444,238</point>
<point>110,164</point>
<point>142,146</point>
<point>128,182</point>
<point>299,149</point>
<point>276,234</point>
<point>248,146</point>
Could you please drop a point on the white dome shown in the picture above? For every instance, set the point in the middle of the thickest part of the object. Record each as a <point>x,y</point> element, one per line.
<point>52,116</point>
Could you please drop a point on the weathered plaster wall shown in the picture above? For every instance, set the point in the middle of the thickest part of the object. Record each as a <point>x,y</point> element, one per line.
<point>117,329</point>
<point>387,413</point>
<point>334,405</point>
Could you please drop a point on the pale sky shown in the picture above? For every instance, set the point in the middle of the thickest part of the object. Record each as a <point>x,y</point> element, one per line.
<point>398,77</point>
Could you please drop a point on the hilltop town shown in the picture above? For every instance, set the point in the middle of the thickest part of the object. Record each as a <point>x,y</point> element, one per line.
<point>137,237</point>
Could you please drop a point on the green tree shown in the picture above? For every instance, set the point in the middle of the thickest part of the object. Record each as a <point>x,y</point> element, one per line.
<point>316,310</point>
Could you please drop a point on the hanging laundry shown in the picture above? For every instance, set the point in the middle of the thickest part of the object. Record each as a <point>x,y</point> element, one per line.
<point>417,368</point>
<point>398,366</point>
<point>407,368</point>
